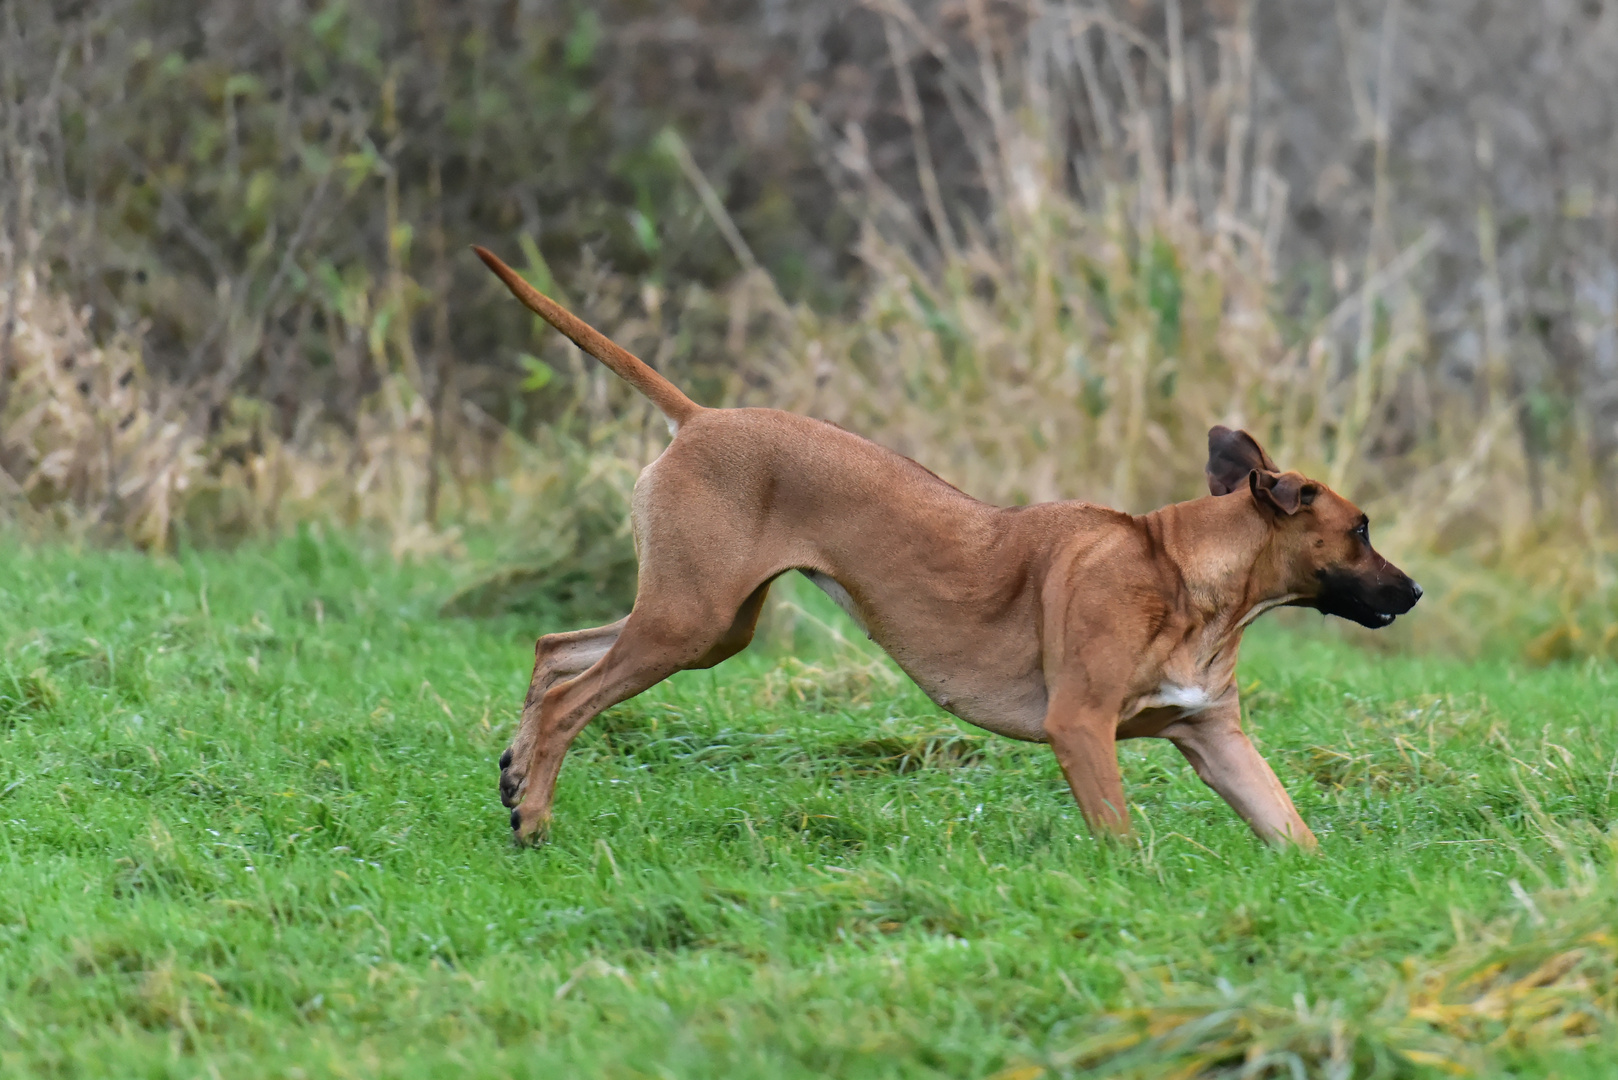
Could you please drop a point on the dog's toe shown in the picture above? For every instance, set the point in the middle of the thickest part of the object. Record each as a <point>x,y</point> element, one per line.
<point>531,835</point>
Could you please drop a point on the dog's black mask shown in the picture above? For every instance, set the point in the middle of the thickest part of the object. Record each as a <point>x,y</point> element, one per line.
<point>1370,601</point>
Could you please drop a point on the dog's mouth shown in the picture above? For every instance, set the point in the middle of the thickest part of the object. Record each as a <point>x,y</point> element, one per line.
<point>1367,617</point>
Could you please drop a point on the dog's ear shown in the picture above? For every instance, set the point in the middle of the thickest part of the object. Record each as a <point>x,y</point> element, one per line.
<point>1232,457</point>
<point>1286,492</point>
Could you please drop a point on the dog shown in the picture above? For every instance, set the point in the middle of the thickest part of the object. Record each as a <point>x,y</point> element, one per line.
<point>1064,623</point>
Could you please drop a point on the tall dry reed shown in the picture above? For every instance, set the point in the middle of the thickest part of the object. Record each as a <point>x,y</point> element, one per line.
<point>93,446</point>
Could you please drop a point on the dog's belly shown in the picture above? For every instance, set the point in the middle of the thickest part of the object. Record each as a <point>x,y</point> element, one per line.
<point>834,589</point>
<point>1017,712</point>
<point>1011,706</point>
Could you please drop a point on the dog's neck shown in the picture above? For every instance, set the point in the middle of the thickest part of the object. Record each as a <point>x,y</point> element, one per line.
<point>1223,548</point>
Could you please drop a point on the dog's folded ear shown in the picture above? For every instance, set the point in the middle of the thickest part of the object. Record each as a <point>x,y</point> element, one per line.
<point>1287,492</point>
<point>1232,457</point>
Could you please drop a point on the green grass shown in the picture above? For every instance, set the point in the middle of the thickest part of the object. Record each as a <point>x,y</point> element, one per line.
<point>249,827</point>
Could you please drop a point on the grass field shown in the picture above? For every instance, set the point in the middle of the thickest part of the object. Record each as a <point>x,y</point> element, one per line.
<point>248,827</point>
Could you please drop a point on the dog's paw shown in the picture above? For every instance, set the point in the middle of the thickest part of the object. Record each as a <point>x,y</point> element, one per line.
<point>511,782</point>
<point>530,833</point>
<point>511,788</point>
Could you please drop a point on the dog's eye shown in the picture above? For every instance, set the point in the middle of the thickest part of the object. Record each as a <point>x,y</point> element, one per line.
<point>1364,532</point>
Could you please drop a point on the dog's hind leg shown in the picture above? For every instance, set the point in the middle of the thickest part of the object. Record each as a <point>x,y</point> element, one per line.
<point>740,634</point>
<point>556,657</point>
<point>562,656</point>
<point>670,633</point>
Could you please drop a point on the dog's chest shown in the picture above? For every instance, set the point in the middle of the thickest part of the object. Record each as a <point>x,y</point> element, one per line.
<point>1186,697</point>
<point>1190,682</point>
<point>1189,698</point>
<point>1147,715</point>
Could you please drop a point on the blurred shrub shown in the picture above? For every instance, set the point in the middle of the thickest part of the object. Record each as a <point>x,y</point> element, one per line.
<point>280,196</point>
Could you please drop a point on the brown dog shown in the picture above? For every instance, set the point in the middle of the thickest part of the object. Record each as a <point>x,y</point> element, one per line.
<point>1064,623</point>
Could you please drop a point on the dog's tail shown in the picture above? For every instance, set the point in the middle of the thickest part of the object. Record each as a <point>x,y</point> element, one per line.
<point>626,365</point>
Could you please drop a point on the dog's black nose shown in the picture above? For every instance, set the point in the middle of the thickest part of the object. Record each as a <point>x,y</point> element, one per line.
<point>1415,590</point>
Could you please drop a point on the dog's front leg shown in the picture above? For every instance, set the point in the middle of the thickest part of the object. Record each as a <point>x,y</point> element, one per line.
<point>1220,751</point>
<point>1084,735</point>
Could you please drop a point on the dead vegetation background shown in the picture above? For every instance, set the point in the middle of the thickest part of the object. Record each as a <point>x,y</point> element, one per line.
<point>1040,246</point>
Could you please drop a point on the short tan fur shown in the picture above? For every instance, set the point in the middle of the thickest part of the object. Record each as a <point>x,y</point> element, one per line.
<point>1065,623</point>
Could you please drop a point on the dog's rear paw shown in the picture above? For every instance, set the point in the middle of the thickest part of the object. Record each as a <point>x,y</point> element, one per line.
<point>511,786</point>
<point>527,833</point>
<point>511,781</point>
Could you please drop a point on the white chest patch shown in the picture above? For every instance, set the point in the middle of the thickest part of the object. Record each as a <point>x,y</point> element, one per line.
<point>1190,698</point>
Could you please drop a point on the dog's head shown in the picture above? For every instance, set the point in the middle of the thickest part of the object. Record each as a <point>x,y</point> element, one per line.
<point>1326,553</point>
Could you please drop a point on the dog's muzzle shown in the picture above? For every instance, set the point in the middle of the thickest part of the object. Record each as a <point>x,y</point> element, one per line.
<point>1372,602</point>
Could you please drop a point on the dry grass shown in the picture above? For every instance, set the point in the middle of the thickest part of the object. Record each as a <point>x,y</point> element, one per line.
<point>82,439</point>
<point>95,447</point>
<point>1544,976</point>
